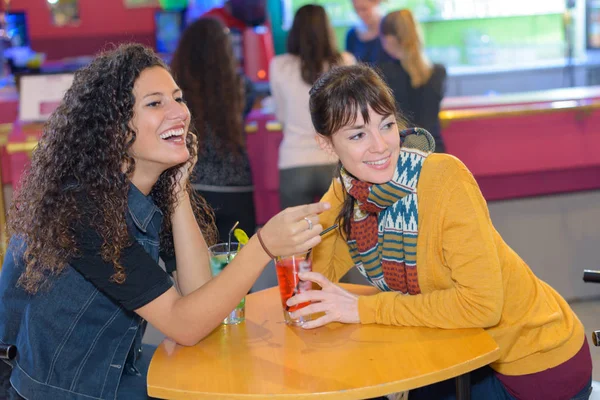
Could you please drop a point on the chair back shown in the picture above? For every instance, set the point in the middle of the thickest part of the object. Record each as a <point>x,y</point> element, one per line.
<point>593,276</point>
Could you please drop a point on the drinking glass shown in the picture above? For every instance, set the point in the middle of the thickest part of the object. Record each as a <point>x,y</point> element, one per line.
<point>287,269</point>
<point>220,256</point>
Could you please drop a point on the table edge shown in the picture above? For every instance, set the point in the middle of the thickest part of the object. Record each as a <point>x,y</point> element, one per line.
<point>356,393</point>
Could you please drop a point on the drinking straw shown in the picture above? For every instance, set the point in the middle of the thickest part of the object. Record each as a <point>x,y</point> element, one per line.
<point>332,227</point>
<point>229,242</point>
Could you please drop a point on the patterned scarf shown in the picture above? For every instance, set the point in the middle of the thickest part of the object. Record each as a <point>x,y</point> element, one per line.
<point>383,241</point>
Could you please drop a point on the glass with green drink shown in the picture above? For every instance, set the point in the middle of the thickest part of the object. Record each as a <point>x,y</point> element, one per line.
<point>221,255</point>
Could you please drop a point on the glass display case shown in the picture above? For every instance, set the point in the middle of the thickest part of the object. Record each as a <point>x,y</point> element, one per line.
<point>593,24</point>
<point>342,14</point>
<point>468,32</point>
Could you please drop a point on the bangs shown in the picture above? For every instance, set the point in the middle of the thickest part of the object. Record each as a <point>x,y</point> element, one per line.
<point>356,98</point>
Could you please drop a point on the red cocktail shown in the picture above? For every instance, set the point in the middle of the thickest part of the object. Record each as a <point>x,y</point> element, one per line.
<point>289,284</point>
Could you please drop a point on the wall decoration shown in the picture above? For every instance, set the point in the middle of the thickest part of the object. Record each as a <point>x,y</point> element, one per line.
<point>140,3</point>
<point>64,12</point>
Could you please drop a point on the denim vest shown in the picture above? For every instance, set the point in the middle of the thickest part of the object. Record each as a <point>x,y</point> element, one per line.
<point>73,342</point>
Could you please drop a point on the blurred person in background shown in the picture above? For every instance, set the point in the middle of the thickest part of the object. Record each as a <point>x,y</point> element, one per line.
<point>363,40</point>
<point>305,170</point>
<point>418,85</point>
<point>236,26</point>
<point>204,67</point>
<point>238,16</point>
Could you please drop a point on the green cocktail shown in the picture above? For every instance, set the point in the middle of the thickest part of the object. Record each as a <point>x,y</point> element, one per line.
<point>220,257</point>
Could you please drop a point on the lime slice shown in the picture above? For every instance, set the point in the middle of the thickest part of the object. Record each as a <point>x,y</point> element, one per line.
<point>241,236</point>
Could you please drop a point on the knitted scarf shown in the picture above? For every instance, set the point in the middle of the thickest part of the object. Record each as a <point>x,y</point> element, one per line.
<point>383,240</point>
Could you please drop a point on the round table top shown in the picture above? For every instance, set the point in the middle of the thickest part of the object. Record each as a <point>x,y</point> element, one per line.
<point>263,357</point>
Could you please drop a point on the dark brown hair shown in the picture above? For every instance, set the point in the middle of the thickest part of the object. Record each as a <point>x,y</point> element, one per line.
<point>84,154</point>
<point>311,38</point>
<point>206,70</point>
<point>336,98</point>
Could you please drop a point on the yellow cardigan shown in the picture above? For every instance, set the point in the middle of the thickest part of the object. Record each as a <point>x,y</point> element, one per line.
<point>469,277</point>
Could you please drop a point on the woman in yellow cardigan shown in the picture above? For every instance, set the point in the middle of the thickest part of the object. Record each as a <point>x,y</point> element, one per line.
<point>417,227</point>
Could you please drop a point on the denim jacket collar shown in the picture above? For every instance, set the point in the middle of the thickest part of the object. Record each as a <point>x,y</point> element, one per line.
<point>141,208</point>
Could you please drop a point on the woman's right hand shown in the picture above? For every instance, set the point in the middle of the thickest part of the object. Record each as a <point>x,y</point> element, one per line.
<point>288,232</point>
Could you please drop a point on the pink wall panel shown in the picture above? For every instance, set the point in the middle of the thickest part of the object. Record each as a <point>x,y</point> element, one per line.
<point>100,22</point>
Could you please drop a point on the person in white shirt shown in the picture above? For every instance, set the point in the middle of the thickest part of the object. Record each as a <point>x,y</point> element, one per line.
<point>305,170</point>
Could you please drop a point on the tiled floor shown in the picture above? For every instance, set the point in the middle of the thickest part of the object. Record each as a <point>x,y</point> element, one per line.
<point>589,314</point>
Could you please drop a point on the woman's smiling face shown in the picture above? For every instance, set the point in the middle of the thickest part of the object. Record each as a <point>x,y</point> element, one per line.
<point>369,151</point>
<point>161,120</point>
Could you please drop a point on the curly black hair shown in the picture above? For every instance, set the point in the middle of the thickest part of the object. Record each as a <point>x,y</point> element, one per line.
<point>83,151</point>
<point>205,68</point>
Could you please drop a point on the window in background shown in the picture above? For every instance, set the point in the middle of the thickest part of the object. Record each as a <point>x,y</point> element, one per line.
<point>198,7</point>
<point>168,28</point>
<point>474,32</point>
<point>593,24</point>
<point>16,29</point>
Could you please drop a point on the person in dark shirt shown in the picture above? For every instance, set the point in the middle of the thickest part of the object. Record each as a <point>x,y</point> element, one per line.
<point>107,193</point>
<point>204,67</point>
<point>363,41</point>
<point>417,84</point>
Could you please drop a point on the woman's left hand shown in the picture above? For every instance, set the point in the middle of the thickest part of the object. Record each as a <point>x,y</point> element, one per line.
<point>338,304</point>
<point>184,171</point>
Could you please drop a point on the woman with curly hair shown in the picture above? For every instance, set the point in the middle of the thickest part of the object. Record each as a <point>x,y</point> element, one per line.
<point>107,191</point>
<point>204,67</point>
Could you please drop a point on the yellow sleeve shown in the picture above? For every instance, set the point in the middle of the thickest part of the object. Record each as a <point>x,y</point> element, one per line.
<point>332,257</point>
<point>469,251</point>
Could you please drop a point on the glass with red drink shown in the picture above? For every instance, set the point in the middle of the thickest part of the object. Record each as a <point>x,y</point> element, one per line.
<point>289,284</point>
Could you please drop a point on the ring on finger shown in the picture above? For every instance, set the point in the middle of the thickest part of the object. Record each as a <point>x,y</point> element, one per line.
<point>310,224</point>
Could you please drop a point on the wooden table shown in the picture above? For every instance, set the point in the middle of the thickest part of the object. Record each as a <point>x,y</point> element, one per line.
<point>263,357</point>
